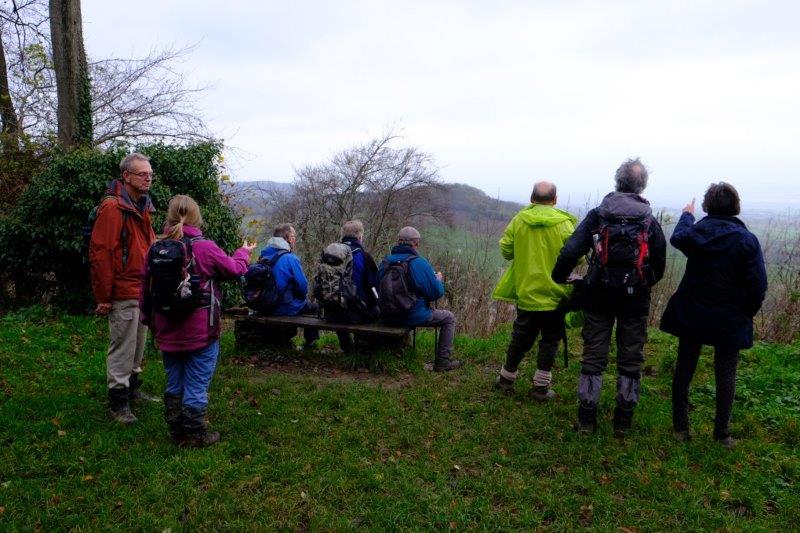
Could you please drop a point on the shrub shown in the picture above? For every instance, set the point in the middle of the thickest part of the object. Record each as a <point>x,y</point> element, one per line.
<point>42,254</point>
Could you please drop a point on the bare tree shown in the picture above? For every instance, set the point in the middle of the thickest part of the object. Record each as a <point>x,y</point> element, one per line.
<point>383,185</point>
<point>72,74</point>
<point>144,99</point>
<point>141,99</point>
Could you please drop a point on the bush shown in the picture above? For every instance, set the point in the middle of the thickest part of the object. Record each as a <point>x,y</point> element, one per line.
<point>42,253</point>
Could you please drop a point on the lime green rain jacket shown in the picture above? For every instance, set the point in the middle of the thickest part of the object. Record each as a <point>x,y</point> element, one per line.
<point>532,241</point>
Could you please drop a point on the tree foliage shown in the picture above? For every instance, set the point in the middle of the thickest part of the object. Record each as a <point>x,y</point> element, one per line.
<point>42,253</point>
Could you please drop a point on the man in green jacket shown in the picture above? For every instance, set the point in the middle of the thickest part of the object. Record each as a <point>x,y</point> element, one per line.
<point>531,242</point>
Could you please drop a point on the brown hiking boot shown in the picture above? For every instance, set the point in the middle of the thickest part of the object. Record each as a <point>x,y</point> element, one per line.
<point>200,440</point>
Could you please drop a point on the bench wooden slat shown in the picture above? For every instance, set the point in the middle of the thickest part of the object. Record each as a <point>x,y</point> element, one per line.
<point>310,321</point>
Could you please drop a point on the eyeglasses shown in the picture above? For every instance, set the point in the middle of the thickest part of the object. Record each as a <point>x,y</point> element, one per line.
<point>144,175</point>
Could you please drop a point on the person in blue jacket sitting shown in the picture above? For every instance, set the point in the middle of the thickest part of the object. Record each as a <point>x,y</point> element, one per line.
<point>427,285</point>
<point>290,280</point>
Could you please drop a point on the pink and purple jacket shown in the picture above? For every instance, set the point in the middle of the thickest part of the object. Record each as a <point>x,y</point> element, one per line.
<point>200,328</point>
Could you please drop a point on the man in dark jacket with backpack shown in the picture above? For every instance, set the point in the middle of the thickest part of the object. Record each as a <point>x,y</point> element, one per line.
<point>120,236</point>
<point>407,287</point>
<point>629,256</point>
<point>360,304</point>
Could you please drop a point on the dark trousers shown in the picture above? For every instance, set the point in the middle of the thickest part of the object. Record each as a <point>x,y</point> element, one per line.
<point>527,327</point>
<point>310,335</point>
<point>725,361</point>
<point>631,337</point>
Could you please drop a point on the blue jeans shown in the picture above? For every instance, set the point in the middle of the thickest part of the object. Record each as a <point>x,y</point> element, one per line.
<point>189,374</point>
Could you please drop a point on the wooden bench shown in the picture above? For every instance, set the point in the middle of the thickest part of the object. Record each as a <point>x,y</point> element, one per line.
<point>306,321</point>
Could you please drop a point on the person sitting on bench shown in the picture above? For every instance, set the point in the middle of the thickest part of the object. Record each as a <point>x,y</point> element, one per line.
<point>407,287</point>
<point>290,281</point>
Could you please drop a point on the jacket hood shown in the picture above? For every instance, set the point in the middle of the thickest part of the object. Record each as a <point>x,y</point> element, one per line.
<point>712,233</point>
<point>624,204</point>
<point>544,215</point>
<point>117,188</point>
<point>274,245</point>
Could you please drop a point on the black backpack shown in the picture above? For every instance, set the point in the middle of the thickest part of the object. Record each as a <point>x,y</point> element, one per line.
<point>396,292</point>
<point>334,287</point>
<point>621,253</point>
<point>173,286</point>
<point>259,289</point>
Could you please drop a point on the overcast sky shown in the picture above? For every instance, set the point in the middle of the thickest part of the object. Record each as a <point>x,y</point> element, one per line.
<point>501,93</point>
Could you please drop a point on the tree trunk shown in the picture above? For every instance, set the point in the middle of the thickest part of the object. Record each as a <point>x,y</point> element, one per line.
<point>72,74</point>
<point>10,127</point>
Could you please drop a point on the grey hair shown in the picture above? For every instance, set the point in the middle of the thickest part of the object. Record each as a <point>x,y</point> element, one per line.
<point>631,176</point>
<point>127,162</point>
<point>353,228</point>
<point>283,230</point>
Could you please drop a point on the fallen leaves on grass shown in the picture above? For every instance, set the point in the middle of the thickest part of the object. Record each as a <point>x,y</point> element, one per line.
<point>87,477</point>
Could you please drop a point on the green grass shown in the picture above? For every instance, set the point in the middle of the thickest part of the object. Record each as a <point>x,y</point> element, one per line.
<point>305,446</point>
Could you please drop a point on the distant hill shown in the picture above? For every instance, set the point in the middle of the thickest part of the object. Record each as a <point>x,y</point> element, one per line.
<point>465,203</point>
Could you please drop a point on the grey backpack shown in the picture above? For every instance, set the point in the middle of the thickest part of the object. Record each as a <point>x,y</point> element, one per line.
<point>334,288</point>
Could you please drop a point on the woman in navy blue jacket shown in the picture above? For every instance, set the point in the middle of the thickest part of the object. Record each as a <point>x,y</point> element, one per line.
<point>722,289</point>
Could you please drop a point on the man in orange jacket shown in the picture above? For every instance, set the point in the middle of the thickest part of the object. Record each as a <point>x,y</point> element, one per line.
<point>121,236</point>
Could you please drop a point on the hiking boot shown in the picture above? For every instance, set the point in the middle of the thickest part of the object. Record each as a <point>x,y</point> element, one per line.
<point>587,418</point>
<point>194,429</point>
<point>123,415</point>
<point>504,385</point>
<point>445,365</point>
<point>623,421</point>
<point>542,394</point>
<point>682,435</point>
<point>203,439</point>
<point>119,407</point>
<point>728,442</point>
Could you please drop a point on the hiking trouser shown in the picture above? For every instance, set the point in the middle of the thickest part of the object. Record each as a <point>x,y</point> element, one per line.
<point>446,322</point>
<point>127,336</point>
<point>631,337</point>
<point>189,374</point>
<point>527,327</point>
<point>725,361</point>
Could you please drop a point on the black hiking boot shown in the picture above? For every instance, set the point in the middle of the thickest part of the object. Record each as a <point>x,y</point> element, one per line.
<point>119,407</point>
<point>542,393</point>
<point>623,421</point>
<point>195,431</point>
<point>503,385</point>
<point>587,418</point>
<point>446,364</point>
<point>728,442</point>
<point>174,417</point>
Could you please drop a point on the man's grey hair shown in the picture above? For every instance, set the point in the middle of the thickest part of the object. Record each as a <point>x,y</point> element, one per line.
<point>353,228</point>
<point>126,165</point>
<point>544,192</point>
<point>631,176</point>
<point>283,230</point>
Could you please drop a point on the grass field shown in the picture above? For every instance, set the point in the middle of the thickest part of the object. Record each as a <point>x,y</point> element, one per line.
<point>309,446</point>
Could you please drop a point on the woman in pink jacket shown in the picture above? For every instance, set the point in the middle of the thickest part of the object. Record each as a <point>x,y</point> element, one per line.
<point>190,345</point>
